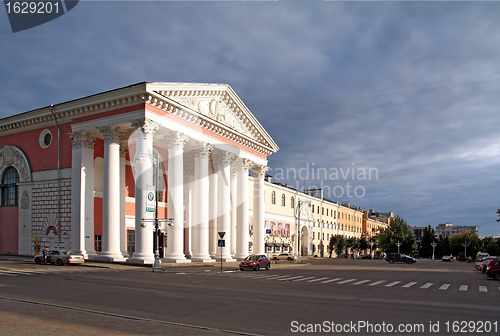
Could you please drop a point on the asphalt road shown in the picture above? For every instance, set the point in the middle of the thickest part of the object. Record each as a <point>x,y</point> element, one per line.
<point>325,296</point>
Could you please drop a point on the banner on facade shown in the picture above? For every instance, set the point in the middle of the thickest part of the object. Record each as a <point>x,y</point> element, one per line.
<point>150,200</point>
<point>281,230</point>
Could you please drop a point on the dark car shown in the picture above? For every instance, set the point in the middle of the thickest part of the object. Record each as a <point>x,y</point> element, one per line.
<point>399,257</point>
<point>484,264</point>
<point>255,262</point>
<point>493,269</point>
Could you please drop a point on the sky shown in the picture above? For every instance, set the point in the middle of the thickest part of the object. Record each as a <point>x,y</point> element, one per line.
<point>387,105</point>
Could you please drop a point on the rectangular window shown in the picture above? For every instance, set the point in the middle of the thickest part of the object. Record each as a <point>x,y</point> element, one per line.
<point>98,243</point>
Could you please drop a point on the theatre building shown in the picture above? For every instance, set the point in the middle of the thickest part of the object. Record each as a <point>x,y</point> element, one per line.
<point>91,175</point>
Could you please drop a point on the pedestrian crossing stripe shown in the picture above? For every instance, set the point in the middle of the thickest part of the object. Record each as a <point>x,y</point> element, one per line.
<point>392,284</point>
<point>340,281</point>
<point>409,284</point>
<point>376,283</point>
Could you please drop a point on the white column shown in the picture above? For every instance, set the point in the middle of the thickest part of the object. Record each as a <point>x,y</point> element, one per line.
<point>123,224</point>
<point>82,194</point>
<point>201,197</point>
<point>111,196</point>
<point>77,201</point>
<point>224,205</point>
<point>88,194</point>
<point>212,212</point>
<point>188,210</point>
<point>144,253</point>
<point>242,231</point>
<point>234,206</point>
<point>259,230</point>
<point>175,233</point>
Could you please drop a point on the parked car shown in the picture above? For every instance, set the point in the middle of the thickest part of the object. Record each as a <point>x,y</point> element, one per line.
<point>365,256</point>
<point>60,258</point>
<point>484,264</point>
<point>481,266</point>
<point>255,262</point>
<point>284,256</point>
<point>378,256</point>
<point>493,269</point>
<point>446,258</point>
<point>399,257</point>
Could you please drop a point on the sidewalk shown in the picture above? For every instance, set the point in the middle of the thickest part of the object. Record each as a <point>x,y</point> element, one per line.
<point>193,266</point>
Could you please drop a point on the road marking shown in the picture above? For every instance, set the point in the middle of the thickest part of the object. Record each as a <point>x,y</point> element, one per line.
<point>291,278</point>
<point>376,283</point>
<point>483,289</point>
<point>7,273</point>
<point>360,282</point>
<point>302,279</point>
<point>392,283</point>
<point>409,284</point>
<point>336,279</point>
<point>318,279</point>
<point>427,285</point>
<point>346,281</point>
<point>278,277</point>
<point>444,287</point>
<point>463,288</point>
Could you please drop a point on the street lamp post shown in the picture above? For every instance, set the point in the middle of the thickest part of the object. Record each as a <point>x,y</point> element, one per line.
<point>169,221</point>
<point>398,244</point>
<point>371,248</point>
<point>465,244</point>
<point>433,244</point>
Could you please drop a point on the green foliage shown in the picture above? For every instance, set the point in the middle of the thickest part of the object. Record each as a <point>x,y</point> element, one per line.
<point>458,240</point>
<point>338,244</point>
<point>397,231</point>
<point>428,237</point>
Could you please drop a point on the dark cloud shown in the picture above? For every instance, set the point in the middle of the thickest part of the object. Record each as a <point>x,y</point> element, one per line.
<point>407,88</point>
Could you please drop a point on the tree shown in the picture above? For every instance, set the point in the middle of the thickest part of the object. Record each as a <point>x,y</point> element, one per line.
<point>428,237</point>
<point>489,245</point>
<point>337,244</point>
<point>471,239</point>
<point>498,214</point>
<point>397,232</point>
<point>363,243</point>
<point>352,243</point>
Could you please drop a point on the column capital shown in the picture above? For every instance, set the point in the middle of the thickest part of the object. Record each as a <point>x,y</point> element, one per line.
<point>148,127</point>
<point>176,140</point>
<point>260,170</point>
<point>203,152</point>
<point>246,164</point>
<point>111,134</point>
<point>81,140</point>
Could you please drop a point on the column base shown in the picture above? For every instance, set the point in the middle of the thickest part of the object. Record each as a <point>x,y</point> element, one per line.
<point>203,259</point>
<point>141,261</point>
<point>226,259</point>
<point>110,258</point>
<point>177,260</point>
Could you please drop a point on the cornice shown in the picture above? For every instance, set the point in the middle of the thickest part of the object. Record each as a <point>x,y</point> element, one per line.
<point>165,100</point>
<point>68,111</point>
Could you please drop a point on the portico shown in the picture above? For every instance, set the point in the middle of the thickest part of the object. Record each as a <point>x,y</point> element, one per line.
<point>205,142</point>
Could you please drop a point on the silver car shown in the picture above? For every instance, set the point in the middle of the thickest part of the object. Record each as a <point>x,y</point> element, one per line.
<point>61,258</point>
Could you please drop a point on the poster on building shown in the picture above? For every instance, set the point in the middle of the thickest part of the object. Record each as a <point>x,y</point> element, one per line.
<point>281,230</point>
<point>36,245</point>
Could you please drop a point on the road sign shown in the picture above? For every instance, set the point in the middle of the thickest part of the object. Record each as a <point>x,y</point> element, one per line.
<point>221,234</point>
<point>268,231</point>
<point>222,243</point>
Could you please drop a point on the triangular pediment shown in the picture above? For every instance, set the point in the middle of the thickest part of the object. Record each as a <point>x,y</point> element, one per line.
<point>219,103</point>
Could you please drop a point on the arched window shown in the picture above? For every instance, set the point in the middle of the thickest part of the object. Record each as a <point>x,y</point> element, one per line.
<point>273,197</point>
<point>283,199</point>
<point>8,187</point>
<point>292,202</point>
